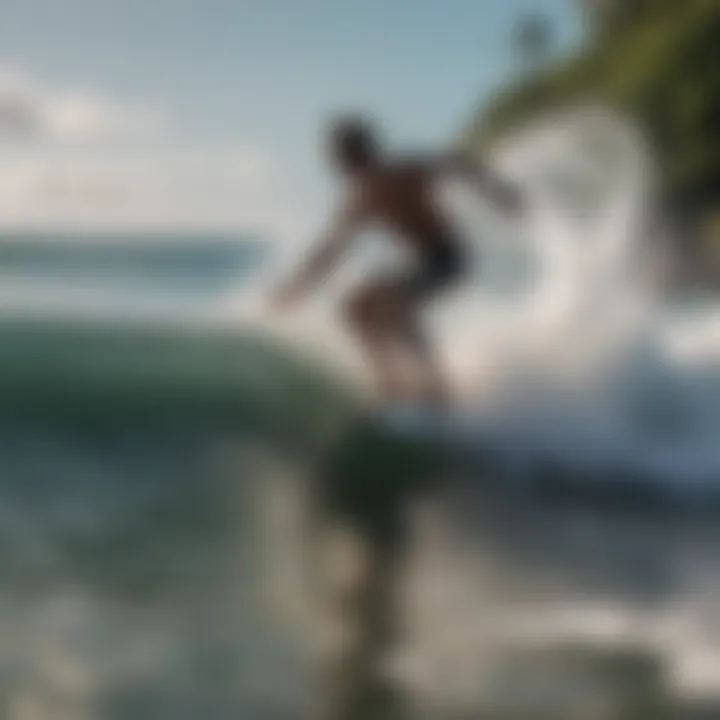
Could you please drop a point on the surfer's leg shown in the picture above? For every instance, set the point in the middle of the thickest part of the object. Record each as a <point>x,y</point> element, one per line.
<point>370,313</point>
<point>441,269</point>
<point>385,315</point>
<point>434,390</point>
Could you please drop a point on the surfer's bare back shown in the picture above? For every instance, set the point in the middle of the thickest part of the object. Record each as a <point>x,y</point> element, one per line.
<point>396,195</point>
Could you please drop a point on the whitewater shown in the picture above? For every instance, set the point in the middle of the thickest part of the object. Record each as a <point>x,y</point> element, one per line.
<point>565,350</point>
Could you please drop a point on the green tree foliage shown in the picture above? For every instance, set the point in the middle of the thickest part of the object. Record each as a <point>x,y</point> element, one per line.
<point>657,61</point>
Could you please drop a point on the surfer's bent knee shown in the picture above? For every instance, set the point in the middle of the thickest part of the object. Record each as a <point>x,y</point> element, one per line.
<point>361,309</point>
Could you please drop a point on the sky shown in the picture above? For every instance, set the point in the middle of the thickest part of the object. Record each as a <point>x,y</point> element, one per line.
<point>207,114</point>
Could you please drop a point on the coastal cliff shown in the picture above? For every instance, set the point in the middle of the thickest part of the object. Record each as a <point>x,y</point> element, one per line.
<point>657,62</point>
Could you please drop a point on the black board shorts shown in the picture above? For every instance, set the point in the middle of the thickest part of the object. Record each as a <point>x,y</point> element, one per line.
<point>440,267</point>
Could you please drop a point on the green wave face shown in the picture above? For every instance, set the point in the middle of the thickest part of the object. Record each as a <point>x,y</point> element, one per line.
<point>104,374</point>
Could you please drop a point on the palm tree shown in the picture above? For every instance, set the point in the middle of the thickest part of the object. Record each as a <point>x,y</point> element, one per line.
<point>533,39</point>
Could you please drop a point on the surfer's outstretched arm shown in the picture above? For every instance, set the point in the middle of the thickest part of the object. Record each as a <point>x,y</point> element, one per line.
<point>327,252</point>
<point>503,193</point>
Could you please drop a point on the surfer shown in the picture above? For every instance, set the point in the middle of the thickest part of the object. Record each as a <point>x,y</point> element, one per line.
<point>395,194</point>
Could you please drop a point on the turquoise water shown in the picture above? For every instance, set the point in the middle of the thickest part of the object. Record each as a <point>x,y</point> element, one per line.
<point>184,264</point>
<point>131,555</point>
<point>130,559</point>
<point>135,548</point>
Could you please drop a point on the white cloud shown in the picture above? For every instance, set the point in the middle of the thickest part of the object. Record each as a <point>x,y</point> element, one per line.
<point>30,110</point>
<point>101,188</point>
<point>66,165</point>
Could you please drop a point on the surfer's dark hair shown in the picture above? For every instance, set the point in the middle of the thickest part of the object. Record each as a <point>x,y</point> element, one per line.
<point>353,141</point>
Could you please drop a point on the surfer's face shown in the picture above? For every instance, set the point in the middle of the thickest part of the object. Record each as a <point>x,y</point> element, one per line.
<point>352,148</point>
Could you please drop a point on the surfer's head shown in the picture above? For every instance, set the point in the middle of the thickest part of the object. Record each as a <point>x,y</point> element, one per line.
<point>353,144</point>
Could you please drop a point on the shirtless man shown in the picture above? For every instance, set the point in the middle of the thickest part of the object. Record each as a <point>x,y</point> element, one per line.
<point>395,195</point>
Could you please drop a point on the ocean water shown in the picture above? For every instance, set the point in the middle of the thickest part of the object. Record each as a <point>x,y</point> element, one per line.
<point>133,560</point>
<point>135,438</point>
<point>160,436</point>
